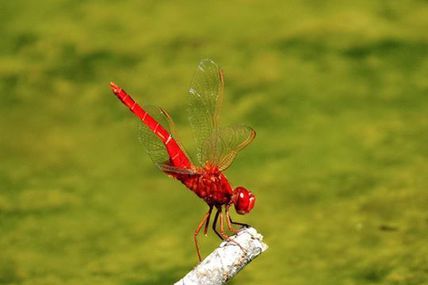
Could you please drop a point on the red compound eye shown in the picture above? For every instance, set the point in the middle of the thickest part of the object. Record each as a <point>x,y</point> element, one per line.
<point>243,200</point>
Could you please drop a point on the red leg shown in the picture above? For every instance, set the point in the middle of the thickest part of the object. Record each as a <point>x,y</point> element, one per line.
<point>208,221</point>
<point>195,235</point>
<point>229,221</point>
<point>225,236</point>
<point>220,234</point>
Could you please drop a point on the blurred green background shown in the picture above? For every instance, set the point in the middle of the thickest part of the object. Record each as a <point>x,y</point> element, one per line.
<point>336,90</point>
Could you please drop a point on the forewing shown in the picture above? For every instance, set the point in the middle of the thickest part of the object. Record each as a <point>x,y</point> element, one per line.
<point>152,144</point>
<point>169,169</point>
<point>222,146</point>
<point>206,95</point>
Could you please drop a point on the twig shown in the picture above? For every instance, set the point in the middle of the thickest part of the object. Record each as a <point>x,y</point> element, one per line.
<point>227,260</point>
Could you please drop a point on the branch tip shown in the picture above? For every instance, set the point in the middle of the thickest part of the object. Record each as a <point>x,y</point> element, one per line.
<point>227,260</point>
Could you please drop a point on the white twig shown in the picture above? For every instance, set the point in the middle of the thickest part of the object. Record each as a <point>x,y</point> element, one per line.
<point>227,260</point>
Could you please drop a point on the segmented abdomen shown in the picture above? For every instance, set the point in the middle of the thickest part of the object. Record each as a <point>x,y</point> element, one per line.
<point>177,157</point>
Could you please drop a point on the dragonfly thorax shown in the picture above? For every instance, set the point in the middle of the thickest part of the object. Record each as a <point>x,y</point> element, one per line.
<point>211,185</point>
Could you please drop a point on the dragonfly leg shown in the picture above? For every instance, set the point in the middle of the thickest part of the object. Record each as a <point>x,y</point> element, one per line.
<point>230,227</point>
<point>239,224</point>
<point>229,221</point>
<point>195,235</point>
<point>208,220</point>
<point>215,223</point>
<point>219,214</point>
<point>224,236</point>
<point>221,234</point>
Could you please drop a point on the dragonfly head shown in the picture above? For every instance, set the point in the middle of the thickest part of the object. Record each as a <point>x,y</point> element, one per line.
<point>243,200</point>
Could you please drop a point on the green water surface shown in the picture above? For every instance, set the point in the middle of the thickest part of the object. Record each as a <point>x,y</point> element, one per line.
<point>336,90</point>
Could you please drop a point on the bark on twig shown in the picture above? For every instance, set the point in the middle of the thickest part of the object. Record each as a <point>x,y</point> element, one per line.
<point>227,260</point>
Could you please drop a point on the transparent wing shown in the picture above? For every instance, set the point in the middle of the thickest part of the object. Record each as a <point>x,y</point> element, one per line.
<point>152,144</point>
<point>169,169</point>
<point>206,96</point>
<point>222,146</point>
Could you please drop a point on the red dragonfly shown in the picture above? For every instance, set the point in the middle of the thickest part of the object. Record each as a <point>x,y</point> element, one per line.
<point>217,147</point>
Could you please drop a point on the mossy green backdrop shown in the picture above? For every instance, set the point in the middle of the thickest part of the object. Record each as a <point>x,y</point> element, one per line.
<point>336,90</point>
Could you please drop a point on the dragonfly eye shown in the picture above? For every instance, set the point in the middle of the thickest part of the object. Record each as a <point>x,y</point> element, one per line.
<point>243,200</point>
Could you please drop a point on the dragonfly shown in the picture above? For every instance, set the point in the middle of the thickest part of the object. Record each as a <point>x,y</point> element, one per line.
<point>216,149</point>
